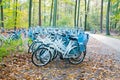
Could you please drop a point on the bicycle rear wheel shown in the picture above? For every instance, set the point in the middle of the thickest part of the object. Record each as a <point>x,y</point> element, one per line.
<point>41,57</point>
<point>79,59</point>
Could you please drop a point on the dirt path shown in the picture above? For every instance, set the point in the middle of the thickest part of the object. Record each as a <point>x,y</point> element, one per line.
<point>111,44</point>
<point>99,64</point>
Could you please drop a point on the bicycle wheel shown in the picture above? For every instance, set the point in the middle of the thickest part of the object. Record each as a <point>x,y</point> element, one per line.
<point>41,57</point>
<point>78,59</point>
<point>53,53</point>
<point>33,46</point>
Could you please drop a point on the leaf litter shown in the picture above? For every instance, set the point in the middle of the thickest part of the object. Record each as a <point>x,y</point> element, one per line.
<point>99,64</point>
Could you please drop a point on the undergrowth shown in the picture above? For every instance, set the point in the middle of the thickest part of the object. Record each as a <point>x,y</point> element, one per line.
<point>10,48</point>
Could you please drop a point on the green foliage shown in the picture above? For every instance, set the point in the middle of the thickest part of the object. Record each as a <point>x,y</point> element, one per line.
<point>3,52</point>
<point>9,16</point>
<point>115,15</point>
<point>10,48</point>
<point>65,21</point>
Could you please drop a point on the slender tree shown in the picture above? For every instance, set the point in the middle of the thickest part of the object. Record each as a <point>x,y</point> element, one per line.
<point>51,13</point>
<point>107,18</point>
<point>88,6</point>
<point>55,13</point>
<point>39,12</point>
<point>2,17</point>
<point>15,22</point>
<point>117,9</point>
<point>30,10</point>
<point>44,11</point>
<point>101,17</point>
<point>85,15</point>
<point>33,13</point>
<point>78,13</point>
<point>75,13</point>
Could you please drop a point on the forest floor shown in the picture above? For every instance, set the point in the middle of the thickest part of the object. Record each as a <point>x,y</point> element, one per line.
<point>100,63</point>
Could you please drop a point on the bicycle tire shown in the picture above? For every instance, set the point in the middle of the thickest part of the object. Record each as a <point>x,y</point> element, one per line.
<point>79,59</point>
<point>38,56</point>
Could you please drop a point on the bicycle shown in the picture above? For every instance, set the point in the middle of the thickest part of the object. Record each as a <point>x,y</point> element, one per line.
<point>72,51</point>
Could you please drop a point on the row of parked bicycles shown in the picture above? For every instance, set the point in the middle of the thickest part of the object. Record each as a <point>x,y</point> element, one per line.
<point>47,44</point>
<point>9,36</point>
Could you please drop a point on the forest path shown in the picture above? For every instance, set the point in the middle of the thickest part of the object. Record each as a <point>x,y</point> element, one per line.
<point>111,44</point>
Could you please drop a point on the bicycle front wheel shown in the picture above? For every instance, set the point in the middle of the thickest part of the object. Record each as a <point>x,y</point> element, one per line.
<point>41,57</point>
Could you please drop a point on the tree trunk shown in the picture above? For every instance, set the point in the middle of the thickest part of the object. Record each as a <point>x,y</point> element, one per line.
<point>33,14</point>
<point>101,17</point>
<point>39,12</point>
<point>107,18</point>
<point>30,10</point>
<point>80,21</point>
<point>16,1</point>
<point>86,14</point>
<point>87,23</point>
<point>2,17</point>
<point>78,14</point>
<point>55,13</point>
<point>75,13</point>
<point>44,12</point>
<point>51,13</point>
<point>117,9</point>
<point>85,28</point>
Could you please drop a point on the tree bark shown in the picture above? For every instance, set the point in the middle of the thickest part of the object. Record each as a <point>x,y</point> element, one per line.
<point>117,9</point>
<point>51,13</point>
<point>15,24</point>
<point>39,12</point>
<point>78,14</point>
<point>85,15</point>
<point>107,18</point>
<point>55,13</point>
<point>33,13</point>
<point>88,12</point>
<point>2,16</point>
<point>44,12</point>
<point>30,10</point>
<point>75,13</point>
<point>101,17</point>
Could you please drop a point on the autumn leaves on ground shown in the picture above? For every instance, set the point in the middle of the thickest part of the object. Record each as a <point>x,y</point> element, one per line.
<point>99,64</point>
